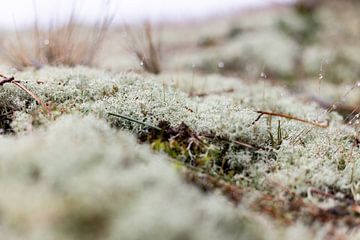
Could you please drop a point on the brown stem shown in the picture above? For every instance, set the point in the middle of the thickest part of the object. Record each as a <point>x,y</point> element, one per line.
<point>6,80</point>
<point>291,118</point>
<point>39,101</point>
<point>22,87</point>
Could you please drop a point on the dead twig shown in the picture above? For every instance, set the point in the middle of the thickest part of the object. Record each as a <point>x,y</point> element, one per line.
<point>6,80</point>
<point>22,87</point>
<point>282,115</point>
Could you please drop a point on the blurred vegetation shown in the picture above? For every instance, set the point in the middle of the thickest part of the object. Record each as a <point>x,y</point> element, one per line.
<point>286,43</point>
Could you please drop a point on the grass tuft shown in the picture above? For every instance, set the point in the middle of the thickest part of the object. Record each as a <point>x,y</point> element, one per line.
<point>57,44</point>
<point>145,49</point>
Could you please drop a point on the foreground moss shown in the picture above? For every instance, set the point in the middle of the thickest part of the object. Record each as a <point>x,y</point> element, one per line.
<point>107,187</point>
<point>303,154</point>
<point>303,157</point>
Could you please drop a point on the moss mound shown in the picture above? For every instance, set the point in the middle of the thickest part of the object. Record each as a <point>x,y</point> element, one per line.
<point>70,164</point>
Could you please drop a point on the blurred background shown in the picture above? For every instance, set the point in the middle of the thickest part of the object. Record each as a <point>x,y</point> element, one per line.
<point>309,46</point>
<point>23,11</point>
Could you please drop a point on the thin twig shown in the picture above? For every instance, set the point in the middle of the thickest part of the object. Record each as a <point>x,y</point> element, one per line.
<point>257,119</point>
<point>22,87</point>
<point>19,85</point>
<point>6,80</point>
<point>291,118</point>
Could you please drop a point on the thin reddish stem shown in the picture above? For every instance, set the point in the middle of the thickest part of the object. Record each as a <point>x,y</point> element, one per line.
<point>291,118</point>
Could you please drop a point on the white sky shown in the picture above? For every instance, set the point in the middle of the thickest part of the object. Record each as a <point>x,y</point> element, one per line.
<point>22,12</point>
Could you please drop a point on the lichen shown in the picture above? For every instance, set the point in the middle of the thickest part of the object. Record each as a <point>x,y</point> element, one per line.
<point>232,116</point>
<point>296,155</point>
<point>106,187</point>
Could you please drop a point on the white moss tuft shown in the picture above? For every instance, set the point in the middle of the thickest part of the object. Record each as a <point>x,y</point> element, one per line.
<point>82,180</point>
<point>71,181</point>
<point>310,161</point>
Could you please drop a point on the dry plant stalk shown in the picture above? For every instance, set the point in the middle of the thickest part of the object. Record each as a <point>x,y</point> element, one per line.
<point>145,49</point>
<point>60,44</point>
<point>22,87</point>
<point>282,115</point>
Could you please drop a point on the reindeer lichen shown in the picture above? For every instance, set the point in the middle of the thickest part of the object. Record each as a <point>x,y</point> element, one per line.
<point>235,145</point>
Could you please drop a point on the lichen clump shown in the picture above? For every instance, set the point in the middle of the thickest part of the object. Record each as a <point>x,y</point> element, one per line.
<point>73,163</point>
<point>106,187</point>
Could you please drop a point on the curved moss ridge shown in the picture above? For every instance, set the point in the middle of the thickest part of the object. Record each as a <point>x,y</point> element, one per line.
<point>318,158</point>
<point>81,179</point>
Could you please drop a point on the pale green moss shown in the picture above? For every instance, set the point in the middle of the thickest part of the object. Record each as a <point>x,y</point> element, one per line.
<point>308,156</point>
<point>80,179</point>
<point>231,115</point>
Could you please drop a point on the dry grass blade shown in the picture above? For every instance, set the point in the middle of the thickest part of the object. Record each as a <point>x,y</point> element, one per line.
<point>282,115</point>
<point>22,87</point>
<point>145,49</point>
<point>38,100</point>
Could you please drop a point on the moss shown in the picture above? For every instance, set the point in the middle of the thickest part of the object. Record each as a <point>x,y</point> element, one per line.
<point>230,115</point>
<point>106,187</point>
<point>296,154</point>
<point>192,149</point>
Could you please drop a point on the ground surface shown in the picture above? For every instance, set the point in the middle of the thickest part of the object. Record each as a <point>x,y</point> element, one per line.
<point>200,151</point>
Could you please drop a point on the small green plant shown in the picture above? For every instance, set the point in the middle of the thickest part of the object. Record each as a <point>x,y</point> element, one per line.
<point>277,140</point>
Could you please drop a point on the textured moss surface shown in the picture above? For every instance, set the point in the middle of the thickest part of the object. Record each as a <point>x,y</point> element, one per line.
<point>80,179</point>
<point>71,164</point>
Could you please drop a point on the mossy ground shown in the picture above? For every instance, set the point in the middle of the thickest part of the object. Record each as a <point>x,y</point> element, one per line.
<point>290,171</point>
<point>193,155</point>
